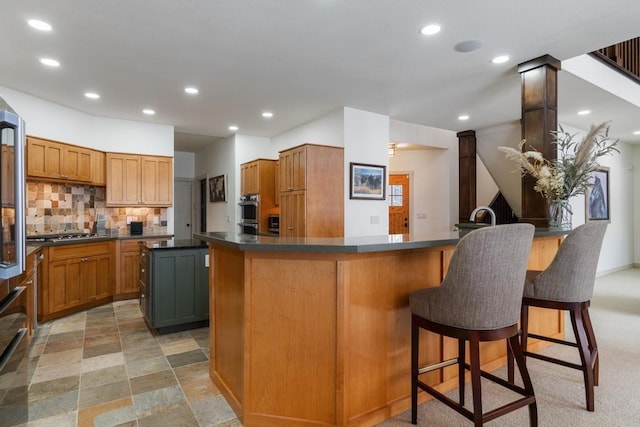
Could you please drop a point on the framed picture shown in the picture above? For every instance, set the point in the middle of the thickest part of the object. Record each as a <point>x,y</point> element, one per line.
<point>367,182</point>
<point>597,196</point>
<point>217,189</point>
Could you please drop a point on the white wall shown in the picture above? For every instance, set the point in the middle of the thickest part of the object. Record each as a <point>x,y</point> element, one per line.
<point>486,188</point>
<point>184,165</point>
<point>366,140</point>
<point>219,158</point>
<point>325,130</point>
<point>52,121</point>
<point>503,171</point>
<point>635,165</point>
<point>429,191</point>
<point>443,173</point>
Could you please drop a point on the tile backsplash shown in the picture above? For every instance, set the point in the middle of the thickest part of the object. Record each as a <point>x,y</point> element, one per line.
<point>57,208</point>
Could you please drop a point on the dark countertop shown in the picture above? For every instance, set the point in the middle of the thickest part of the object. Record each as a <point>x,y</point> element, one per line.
<point>34,245</point>
<point>364,244</point>
<point>174,244</point>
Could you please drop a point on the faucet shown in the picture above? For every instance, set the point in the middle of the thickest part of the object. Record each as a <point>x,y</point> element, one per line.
<point>485,208</point>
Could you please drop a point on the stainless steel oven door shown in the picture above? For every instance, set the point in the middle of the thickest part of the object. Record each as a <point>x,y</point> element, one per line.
<point>248,228</point>
<point>14,375</point>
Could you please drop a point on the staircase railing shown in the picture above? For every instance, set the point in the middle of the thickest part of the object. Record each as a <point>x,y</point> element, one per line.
<point>500,206</point>
<point>624,56</point>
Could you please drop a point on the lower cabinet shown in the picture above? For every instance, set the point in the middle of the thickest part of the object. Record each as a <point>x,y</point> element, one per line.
<point>174,288</point>
<point>77,275</point>
<point>128,280</point>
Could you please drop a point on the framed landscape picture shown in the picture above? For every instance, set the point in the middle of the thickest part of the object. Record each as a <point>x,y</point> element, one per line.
<point>367,182</point>
<point>217,189</point>
<point>597,196</point>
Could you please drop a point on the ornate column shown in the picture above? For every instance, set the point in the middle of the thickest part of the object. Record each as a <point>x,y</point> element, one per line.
<point>539,87</point>
<point>466,174</point>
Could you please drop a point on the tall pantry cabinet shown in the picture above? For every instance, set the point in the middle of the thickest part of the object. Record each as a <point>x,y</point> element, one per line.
<point>311,191</point>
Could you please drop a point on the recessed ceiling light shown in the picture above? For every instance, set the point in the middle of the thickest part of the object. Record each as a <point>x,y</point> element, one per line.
<point>148,112</point>
<point>191,90</point>
<point>267,114</point>
<point>468,46</point>
<point>39,25</point>
<point>233,128</point>
<point>429,30</point>
<point>584,112</point>
<point>463,117</point>
<point>92,95</point>
<point>49,62</point>
<point>500,59</point>
<point>637,132</point>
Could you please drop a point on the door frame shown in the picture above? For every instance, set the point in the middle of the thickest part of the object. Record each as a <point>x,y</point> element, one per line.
<point>191,213</point>
<point>195,200</point>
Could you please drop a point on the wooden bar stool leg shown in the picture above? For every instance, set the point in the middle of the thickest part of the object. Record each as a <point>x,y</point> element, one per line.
<point>474,356</point>
<point>585,355</point>
<point>593,346</point>
<point>461,370</point>
<point>415,337</point>
<point>518,355</point>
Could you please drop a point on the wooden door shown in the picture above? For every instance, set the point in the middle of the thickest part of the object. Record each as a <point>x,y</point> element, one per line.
<point>299,168</point>
<point>398,197</point>
<point>98,168</point>
<point>44,158</point>
<point>299,213</point>
<point>65,284</point>
<point>96,273</point>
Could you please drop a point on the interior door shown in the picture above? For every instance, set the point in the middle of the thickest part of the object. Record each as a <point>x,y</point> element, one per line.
<point>398,196</point>
<point>182,210</point>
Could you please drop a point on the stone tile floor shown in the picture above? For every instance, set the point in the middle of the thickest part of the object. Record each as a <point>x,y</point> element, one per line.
<point>104,367</point>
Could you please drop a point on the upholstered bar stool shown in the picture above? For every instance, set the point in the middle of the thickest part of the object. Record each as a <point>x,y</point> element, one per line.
<point>478,300</point>
<point>567,284</point>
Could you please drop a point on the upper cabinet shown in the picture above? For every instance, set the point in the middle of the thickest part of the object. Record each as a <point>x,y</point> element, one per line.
<point>312,191</point>
<point>57,161</point>
<point>98,168</point>
<point>134,180</point>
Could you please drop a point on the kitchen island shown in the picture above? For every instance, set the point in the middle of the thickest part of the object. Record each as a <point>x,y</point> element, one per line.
<point>316,331</point>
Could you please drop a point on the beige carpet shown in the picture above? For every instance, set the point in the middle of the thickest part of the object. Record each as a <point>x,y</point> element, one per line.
<point>615,313</point>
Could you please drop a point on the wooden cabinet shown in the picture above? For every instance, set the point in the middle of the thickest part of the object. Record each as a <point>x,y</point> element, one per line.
<point>128,277</point>
<point>174,287</point>
<point>258,177</point>
<point>98,168</point>
<point>312,191</point>
<point>7,178</point>
<point>77,275</point>
<point>134,180</point>
<point>156,180</point>
<point>58,161</point>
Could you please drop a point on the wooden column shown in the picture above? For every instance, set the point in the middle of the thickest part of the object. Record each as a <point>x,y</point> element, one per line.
<point>539,85</point>
<point>466,174</point>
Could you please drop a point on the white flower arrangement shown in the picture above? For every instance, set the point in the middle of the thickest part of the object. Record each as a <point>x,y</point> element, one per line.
<point>569,174</point>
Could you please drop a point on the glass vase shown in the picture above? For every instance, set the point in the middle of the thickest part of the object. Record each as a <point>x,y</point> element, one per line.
<point>560,215</point>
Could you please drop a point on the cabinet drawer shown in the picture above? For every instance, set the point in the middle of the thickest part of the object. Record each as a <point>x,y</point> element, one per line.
<point>133,245</point>
<point>80,250</point>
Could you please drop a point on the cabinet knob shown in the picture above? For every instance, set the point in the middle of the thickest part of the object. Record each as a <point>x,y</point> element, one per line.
<point>30,282</point>
<point>142,270</point>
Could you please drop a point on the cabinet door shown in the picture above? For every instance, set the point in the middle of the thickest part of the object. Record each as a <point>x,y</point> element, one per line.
<point>44,158</point>
<point>76,163</point>
<point>157,181</point>
<point>277,184</point>
<point>123,180</point>
<point>65,280</point>
<point>203,284</point>
<point>96,276</point>
<point>98,168</point>
<point>293,169</point>
<point>175,299</point>
<point>250,178</point>
<point>129,272</point>
<point>293,214</point>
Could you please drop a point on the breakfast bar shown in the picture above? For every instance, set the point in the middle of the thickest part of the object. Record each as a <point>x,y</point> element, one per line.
<point>316,331</point>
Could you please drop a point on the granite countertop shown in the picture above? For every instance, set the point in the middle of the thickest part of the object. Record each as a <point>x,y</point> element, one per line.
<point>174,244</point>
<point>364,244</point>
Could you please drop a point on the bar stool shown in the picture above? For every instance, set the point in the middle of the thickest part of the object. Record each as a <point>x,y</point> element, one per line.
<point>567,284</point>
<point>478,300</point>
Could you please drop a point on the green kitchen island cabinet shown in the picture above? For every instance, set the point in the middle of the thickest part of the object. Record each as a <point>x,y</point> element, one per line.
<point>174,290</point>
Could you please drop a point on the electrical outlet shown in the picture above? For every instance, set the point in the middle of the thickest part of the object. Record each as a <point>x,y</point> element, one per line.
<point>374,219</point>
<point>156,220</point>
<point>129,219</point>
<point>422,215</point>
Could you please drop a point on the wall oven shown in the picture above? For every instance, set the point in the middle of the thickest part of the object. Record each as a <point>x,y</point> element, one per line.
<point>249,214</point>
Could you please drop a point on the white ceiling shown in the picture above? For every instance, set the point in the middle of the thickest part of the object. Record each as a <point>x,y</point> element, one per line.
<point>303,58</point>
